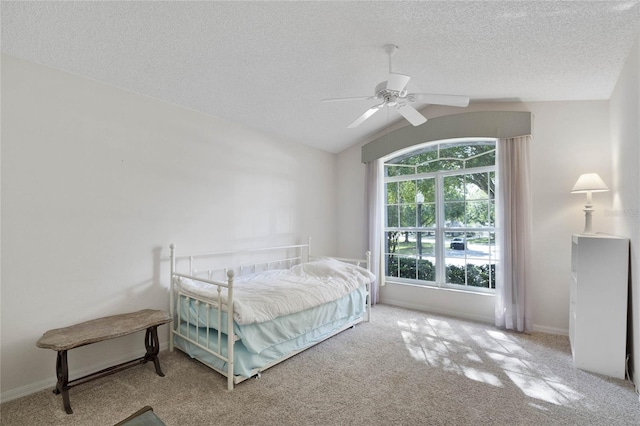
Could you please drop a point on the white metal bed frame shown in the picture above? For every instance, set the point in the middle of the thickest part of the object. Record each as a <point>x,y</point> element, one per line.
<point>303,255</point>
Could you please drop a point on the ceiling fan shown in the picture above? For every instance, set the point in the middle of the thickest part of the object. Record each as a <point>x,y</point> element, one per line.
<point>393,93</point>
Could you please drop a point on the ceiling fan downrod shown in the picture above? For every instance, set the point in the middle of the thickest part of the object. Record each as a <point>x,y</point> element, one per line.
<point>391,50</point>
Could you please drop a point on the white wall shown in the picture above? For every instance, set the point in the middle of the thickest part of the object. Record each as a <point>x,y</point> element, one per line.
<point>351,196</point>
<point>570,138</point>
<point>625,210</point>
<point>97,182</point>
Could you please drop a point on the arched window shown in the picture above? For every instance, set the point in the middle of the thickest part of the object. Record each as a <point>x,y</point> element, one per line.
<point>439,224</point>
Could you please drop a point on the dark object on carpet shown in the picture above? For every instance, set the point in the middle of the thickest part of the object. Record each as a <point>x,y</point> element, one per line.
<point>143,417</point>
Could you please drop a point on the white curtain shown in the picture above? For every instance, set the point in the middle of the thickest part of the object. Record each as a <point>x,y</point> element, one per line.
<point>513,235</point>
<point>375,197</point>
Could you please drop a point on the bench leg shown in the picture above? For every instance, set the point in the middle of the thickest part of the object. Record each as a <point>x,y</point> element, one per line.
<point>62,372</point>
<point>152,345</point>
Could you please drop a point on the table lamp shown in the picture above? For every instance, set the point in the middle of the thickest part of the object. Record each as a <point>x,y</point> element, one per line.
<point>589,182</point>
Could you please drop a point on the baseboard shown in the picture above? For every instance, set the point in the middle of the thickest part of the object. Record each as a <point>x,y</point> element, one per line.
<point>464,315</point>
<point>551,330</point>
<point>422,308</point>
<point>50,383</point>
<point>29,389</point>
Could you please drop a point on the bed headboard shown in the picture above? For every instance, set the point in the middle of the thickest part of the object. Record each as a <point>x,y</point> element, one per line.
<point>365,262</point>
<point>215,265</point>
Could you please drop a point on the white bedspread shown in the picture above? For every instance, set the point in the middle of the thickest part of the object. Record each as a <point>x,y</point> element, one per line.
<point>267,295</point>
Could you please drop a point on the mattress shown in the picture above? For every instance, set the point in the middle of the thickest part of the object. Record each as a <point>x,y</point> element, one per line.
<point>263,343</point>
<point>271,294</point>
<point>259,336</point>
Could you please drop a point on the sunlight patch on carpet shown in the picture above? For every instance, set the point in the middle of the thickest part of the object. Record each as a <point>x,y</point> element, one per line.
<point>486,356</point>
<point>481,376</point>
<point>535,380</point>
<point>538,388</point>
<point>448,356</point>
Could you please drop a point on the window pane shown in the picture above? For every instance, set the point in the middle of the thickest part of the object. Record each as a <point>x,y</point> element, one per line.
<point>430,154</point>
<point>426,262</point>
<point>477,214</point>
<point>428,167</point>
<point>446,164</point>
<point>417,156</point>
<point>427,269</point>
<point>392,216</point>
<point>391,241</point>
<point>453,187</point>
<point>392,193</point>
<point>481,275</point>
<point>406,170</point>
<point>455,257</point>
<point>398,170</point>
<point>455,243</point>
<point>407,192</point>
<point>392,266</point>
<point>478,153</point>
<point>477,186</point>
<point>427,187</point>
<point>390,170</point>
<point>426,244</point>
<point>408,268</point>
<point>454,214</point>
<point>454,150</point>
<point>455,273</point>
<point>408,215</point>
<point>406,243</point>
<point>481,246</point>
<point>427,213</point>
<point>488,158</point>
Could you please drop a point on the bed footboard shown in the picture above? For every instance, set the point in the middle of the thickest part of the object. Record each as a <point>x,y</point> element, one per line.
<point>221,307</point>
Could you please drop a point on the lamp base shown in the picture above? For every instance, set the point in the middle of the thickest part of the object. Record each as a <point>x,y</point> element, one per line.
<point>588,211</point>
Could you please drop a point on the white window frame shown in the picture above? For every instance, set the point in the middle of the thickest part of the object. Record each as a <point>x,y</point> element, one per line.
<point>440,229</point>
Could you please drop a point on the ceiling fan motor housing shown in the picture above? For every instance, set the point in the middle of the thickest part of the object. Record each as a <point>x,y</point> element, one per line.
<point>388,96</point>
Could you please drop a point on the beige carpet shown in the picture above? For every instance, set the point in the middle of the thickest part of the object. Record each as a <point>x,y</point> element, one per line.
<point>403,368</point>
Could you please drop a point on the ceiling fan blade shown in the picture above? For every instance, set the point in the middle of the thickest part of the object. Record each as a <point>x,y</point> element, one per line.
<point>435,99</point>
<point>356,98</point>
<point>411,114</point>
<point>368,113</point>
<point>397,82</point>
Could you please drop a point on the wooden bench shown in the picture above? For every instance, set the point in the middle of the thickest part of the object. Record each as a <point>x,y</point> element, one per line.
<point>98,330</point>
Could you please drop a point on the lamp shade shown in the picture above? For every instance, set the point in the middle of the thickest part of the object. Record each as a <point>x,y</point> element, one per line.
<point>589,182</point>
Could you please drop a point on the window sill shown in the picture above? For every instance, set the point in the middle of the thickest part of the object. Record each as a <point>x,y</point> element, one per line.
<point>488,292</point>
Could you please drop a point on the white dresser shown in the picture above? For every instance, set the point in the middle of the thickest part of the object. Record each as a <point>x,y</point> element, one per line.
<point>598,303</point>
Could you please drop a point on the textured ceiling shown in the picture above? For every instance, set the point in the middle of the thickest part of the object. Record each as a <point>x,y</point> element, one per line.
<point>267,65</point>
